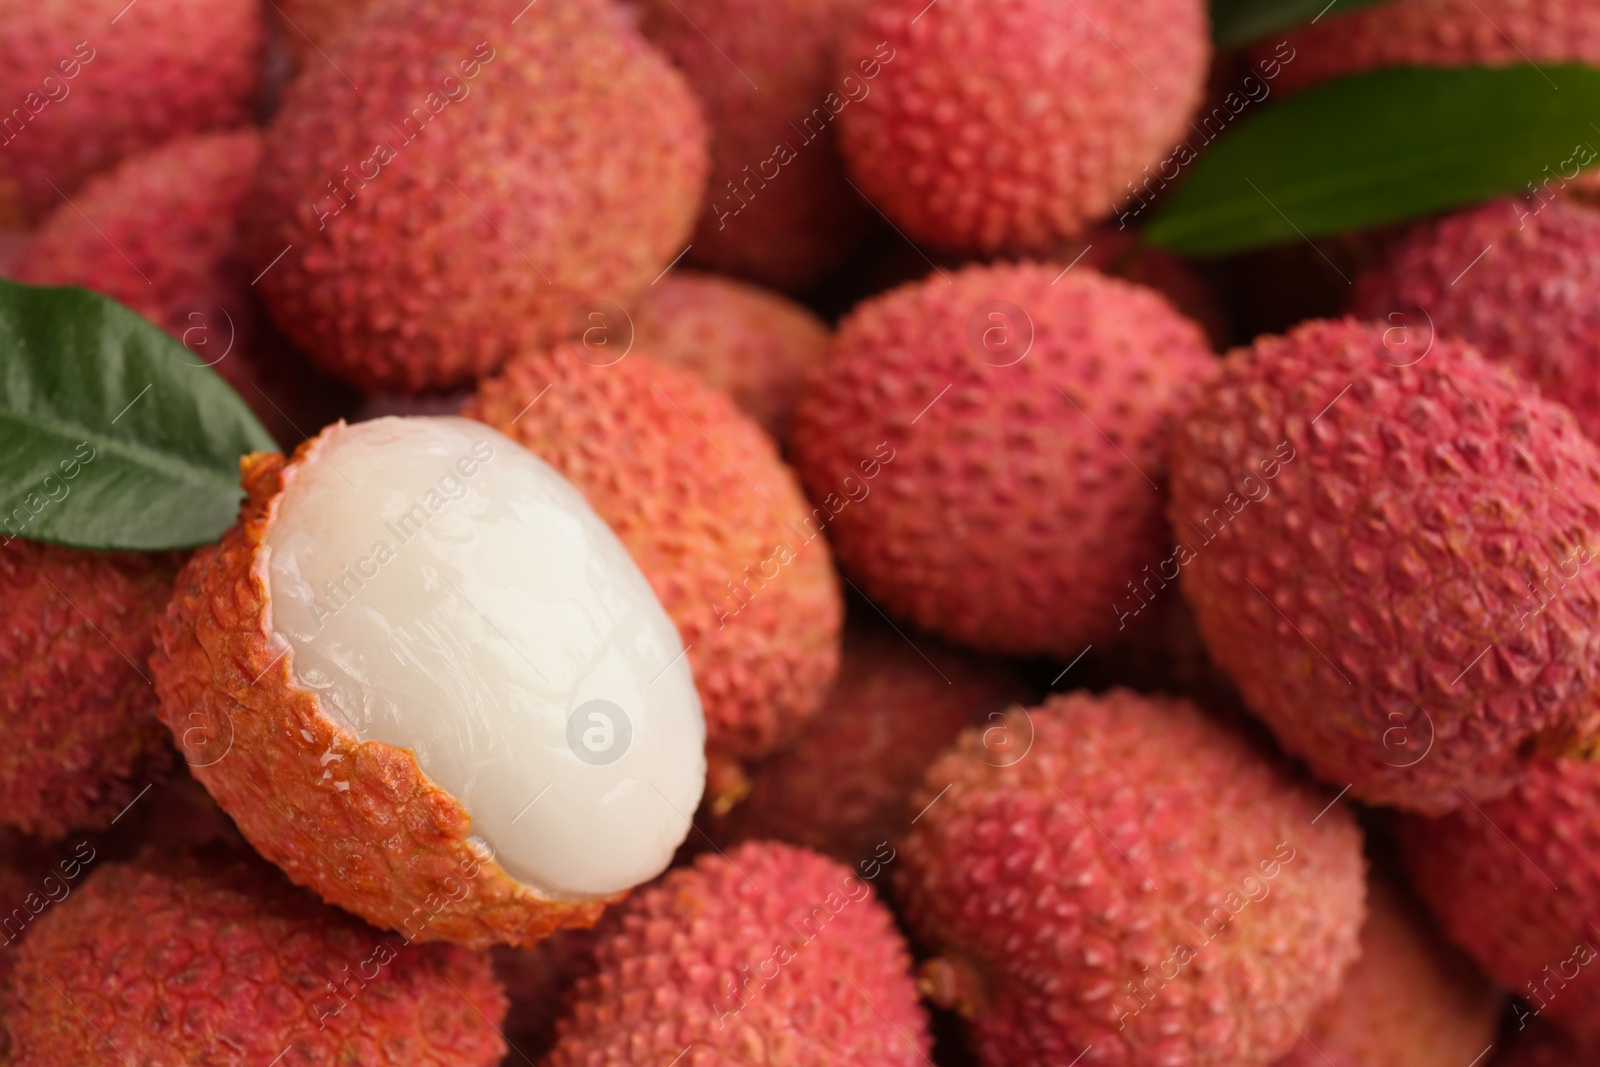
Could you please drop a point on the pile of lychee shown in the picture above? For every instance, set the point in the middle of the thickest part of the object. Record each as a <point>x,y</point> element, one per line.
<point>766,568</point>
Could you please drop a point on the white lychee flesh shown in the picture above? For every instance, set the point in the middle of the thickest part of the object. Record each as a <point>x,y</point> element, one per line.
<point>443,590</point>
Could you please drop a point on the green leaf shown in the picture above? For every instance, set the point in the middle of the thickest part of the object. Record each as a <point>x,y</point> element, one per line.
<point>1237,22</point>
<point>112,434</point>
<point>1382,147</point>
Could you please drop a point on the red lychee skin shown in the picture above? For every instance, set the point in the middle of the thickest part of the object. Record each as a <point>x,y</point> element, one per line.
<point>308,27</point>
<point>218,961</point>
<point>1530,302</point>
<point>752,344</point>
<point>566,165</point>
<point>1120,254</point>
<point>1410,999</point>
<point>78,734</point>
<point>715,520</point>
<point>156,70</point>
<point>1360,540</point>
<point>791,217</point>
<point>1006,125</point>
<point>1016,493</point>
<point>1516,882</point>
<point>357,822</point>
<point>1089,846</point>
<point>842,788</point>
<point>1441,33</point>
<point>772,955</point>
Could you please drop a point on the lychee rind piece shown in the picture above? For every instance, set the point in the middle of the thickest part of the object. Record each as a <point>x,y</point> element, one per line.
<point>79,737</point>
<point>405,270</point>
<point>1006,126</point>
<point>98,80</point>
<point>1441,33</point>
<point>1361,529</point>
<point>1516,882</point>
<point>1411,998</point>
<point>390,846</point>
<point>1529,302</point>
<point>989,447</point>
<point>1121,879</point>
<point>771,954</point>
<point>310,26</point>
<point>842,788</point>
<point>713,517</point>
<point>753,344</point>
<point>778,209</point>
<point>209,959</point>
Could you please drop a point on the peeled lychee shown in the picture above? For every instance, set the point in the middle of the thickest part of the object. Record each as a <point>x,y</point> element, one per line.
<point>988,449</point>
<point>86,82</point>
<point>1387,546</point>
<point>1006,125</point>
<point>1520,280</point>
<point>754,345</point>
<point>843,786</point>
<point>778,209</point>
<point>770,955</point>
<point>697,493</point>
<point>452,188</point>
<point>78,732</point>
<point>416,632</point>
<point>1442,33</point>
<point>1516,882</point>
<point>214,959</point>
<point>1410,999</point>
<point>1120,880</point>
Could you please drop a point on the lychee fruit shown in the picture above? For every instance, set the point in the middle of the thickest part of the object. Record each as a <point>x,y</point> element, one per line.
<point>843,786</point>
<point>536,982</point>
<point>1517,279</point>
<point>754,345</point>
<point>79,737</point>
<point>715,520</point>
<point>416,631</point>
<point>87,82</point>
<point>778,208</point>
<point>1441,33</point>
<point>987,446</point>
<point>1119,253</point>
<point>215,959</point>
<point>1120,880</point>
<point>309,27</point>
<point>1007,125</point>
<point>450,189</point>
<point>769,955</point>
<point>1516,882</point>
<point>1411,998</point>
<point>159,232</point>
<point>1538,1044</point>
<point>1386,546</point>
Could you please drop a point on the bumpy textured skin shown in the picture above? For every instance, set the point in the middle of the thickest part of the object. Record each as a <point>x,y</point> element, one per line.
<point>1516,883</point>
<point>1532,302</point>
<point>697,494</point>
<point>78,732</point>
<point>164,68</point>
<point>1006,520</point>
<point>1005,125</point>
<point>1443,33</point>
<point>308,27</point>
<point>357,822</point>
<point>1081,844</point>
<point>683,970</point>
<point>1120,254</point>
<point>752,344</point>
<point>585,164</point>
<point>1374,600</point>
<point>843,786</point>
<point>791,218</point>
<point>214,961</point>
<point>1410,999</point>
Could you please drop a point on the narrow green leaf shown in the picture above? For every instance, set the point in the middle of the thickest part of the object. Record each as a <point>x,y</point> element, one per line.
<point>112,434</point>
<point>1237,22</point>
<point>1383,147</point>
